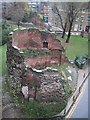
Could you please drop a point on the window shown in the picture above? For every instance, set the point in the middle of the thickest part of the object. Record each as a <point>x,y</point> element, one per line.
<point>83,10</point>
<point>82,19</point>
<point>77,18</point>
<point>81,27</point>
<point>88,19</point>
<point>76,27</point>
<point>45,44</point>
<point>87,9</point>
<point>87,29</point>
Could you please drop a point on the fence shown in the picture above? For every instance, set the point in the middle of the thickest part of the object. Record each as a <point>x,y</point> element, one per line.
<point>74,97</point>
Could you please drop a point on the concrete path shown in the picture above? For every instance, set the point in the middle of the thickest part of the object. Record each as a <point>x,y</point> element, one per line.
<point>82,74</point>
<point>80,108</point>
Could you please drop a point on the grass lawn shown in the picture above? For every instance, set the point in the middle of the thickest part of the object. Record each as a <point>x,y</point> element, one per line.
<point>3,66</point>
<point>76,47</point>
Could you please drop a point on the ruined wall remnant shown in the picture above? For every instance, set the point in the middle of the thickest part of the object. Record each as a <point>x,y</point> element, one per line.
<point>47,84</point>
<point>39,50</point>
<point>15,67</point>
<point>36,40</point>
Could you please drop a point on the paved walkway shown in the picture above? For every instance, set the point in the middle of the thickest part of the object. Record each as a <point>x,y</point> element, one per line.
<point>82,74</point>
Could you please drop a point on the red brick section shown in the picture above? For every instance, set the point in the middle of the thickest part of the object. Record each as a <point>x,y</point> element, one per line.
<point>34,39</point>
<point>39,61</point>
<point>63,59</point>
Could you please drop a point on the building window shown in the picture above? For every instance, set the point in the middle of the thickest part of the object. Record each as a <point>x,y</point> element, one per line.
<point>45,44</point>
<point>88,19</point>
<point>83,10</point>
<point>76,27</point>
<point>81,27</point>
<point>82,19</point>
<point>77,18</point>
<point>87,29</point>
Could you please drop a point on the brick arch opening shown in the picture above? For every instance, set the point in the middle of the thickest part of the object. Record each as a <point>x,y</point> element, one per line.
<point>45,44</point>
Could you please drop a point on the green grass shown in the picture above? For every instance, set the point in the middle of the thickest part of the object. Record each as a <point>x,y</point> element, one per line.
<point>36,110</point>
<point>3,66</point>
<point>76,47</point>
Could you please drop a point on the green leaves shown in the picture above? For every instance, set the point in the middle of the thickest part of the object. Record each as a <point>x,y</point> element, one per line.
<point>6,29</point>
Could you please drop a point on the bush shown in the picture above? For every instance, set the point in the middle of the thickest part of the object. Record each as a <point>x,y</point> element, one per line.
<point>6,29</point>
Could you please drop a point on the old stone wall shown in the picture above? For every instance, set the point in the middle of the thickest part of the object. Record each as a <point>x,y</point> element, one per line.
<point>46,86</point>
<point>34,39</point>
<point>15,65</point>
<point>44,60</point>
<point>19,55</point>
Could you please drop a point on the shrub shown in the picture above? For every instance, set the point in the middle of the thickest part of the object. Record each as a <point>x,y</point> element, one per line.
<point>6,29</point>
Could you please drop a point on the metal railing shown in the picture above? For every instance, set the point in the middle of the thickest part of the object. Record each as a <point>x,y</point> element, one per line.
<point>74,97</point>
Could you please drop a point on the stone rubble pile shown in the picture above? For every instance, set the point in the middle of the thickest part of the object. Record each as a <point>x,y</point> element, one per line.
<point>51,88</point>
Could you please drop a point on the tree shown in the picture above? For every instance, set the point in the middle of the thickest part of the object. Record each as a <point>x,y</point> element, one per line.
<point>33,81</point>
<point>28,14</point>
<point>73,8</point>
<point>62,15</point>
<point>6,29</point>
<point>17,13</point>
<point>58,9</point>
<point>66,12</point>
<point>14,11</point>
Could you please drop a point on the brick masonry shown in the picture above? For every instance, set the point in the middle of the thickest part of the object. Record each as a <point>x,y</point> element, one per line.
<point>48,84</point>
<point>35,40</point>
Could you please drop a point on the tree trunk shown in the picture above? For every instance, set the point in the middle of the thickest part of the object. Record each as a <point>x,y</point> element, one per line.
<point>35,94</point>
<point>63,33</point>
<point>64,29</point>
<point>18,24</point>
<point>69,33</point>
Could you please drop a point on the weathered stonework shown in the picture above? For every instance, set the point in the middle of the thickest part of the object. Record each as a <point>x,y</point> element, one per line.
<point>24,54</point>
<point>15,67</point>
<point>47,84</point>
<point>33,39</point>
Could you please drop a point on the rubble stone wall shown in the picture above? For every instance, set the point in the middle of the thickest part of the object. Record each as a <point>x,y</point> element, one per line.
<point>15,65</point>
<point>44,60</point>
<point>49,85</point>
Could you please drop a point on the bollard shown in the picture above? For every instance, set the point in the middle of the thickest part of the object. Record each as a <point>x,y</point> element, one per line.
<point>73,98</point>
<point>79,89</point>
<point>84,75</point>
<point>64,111</point>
